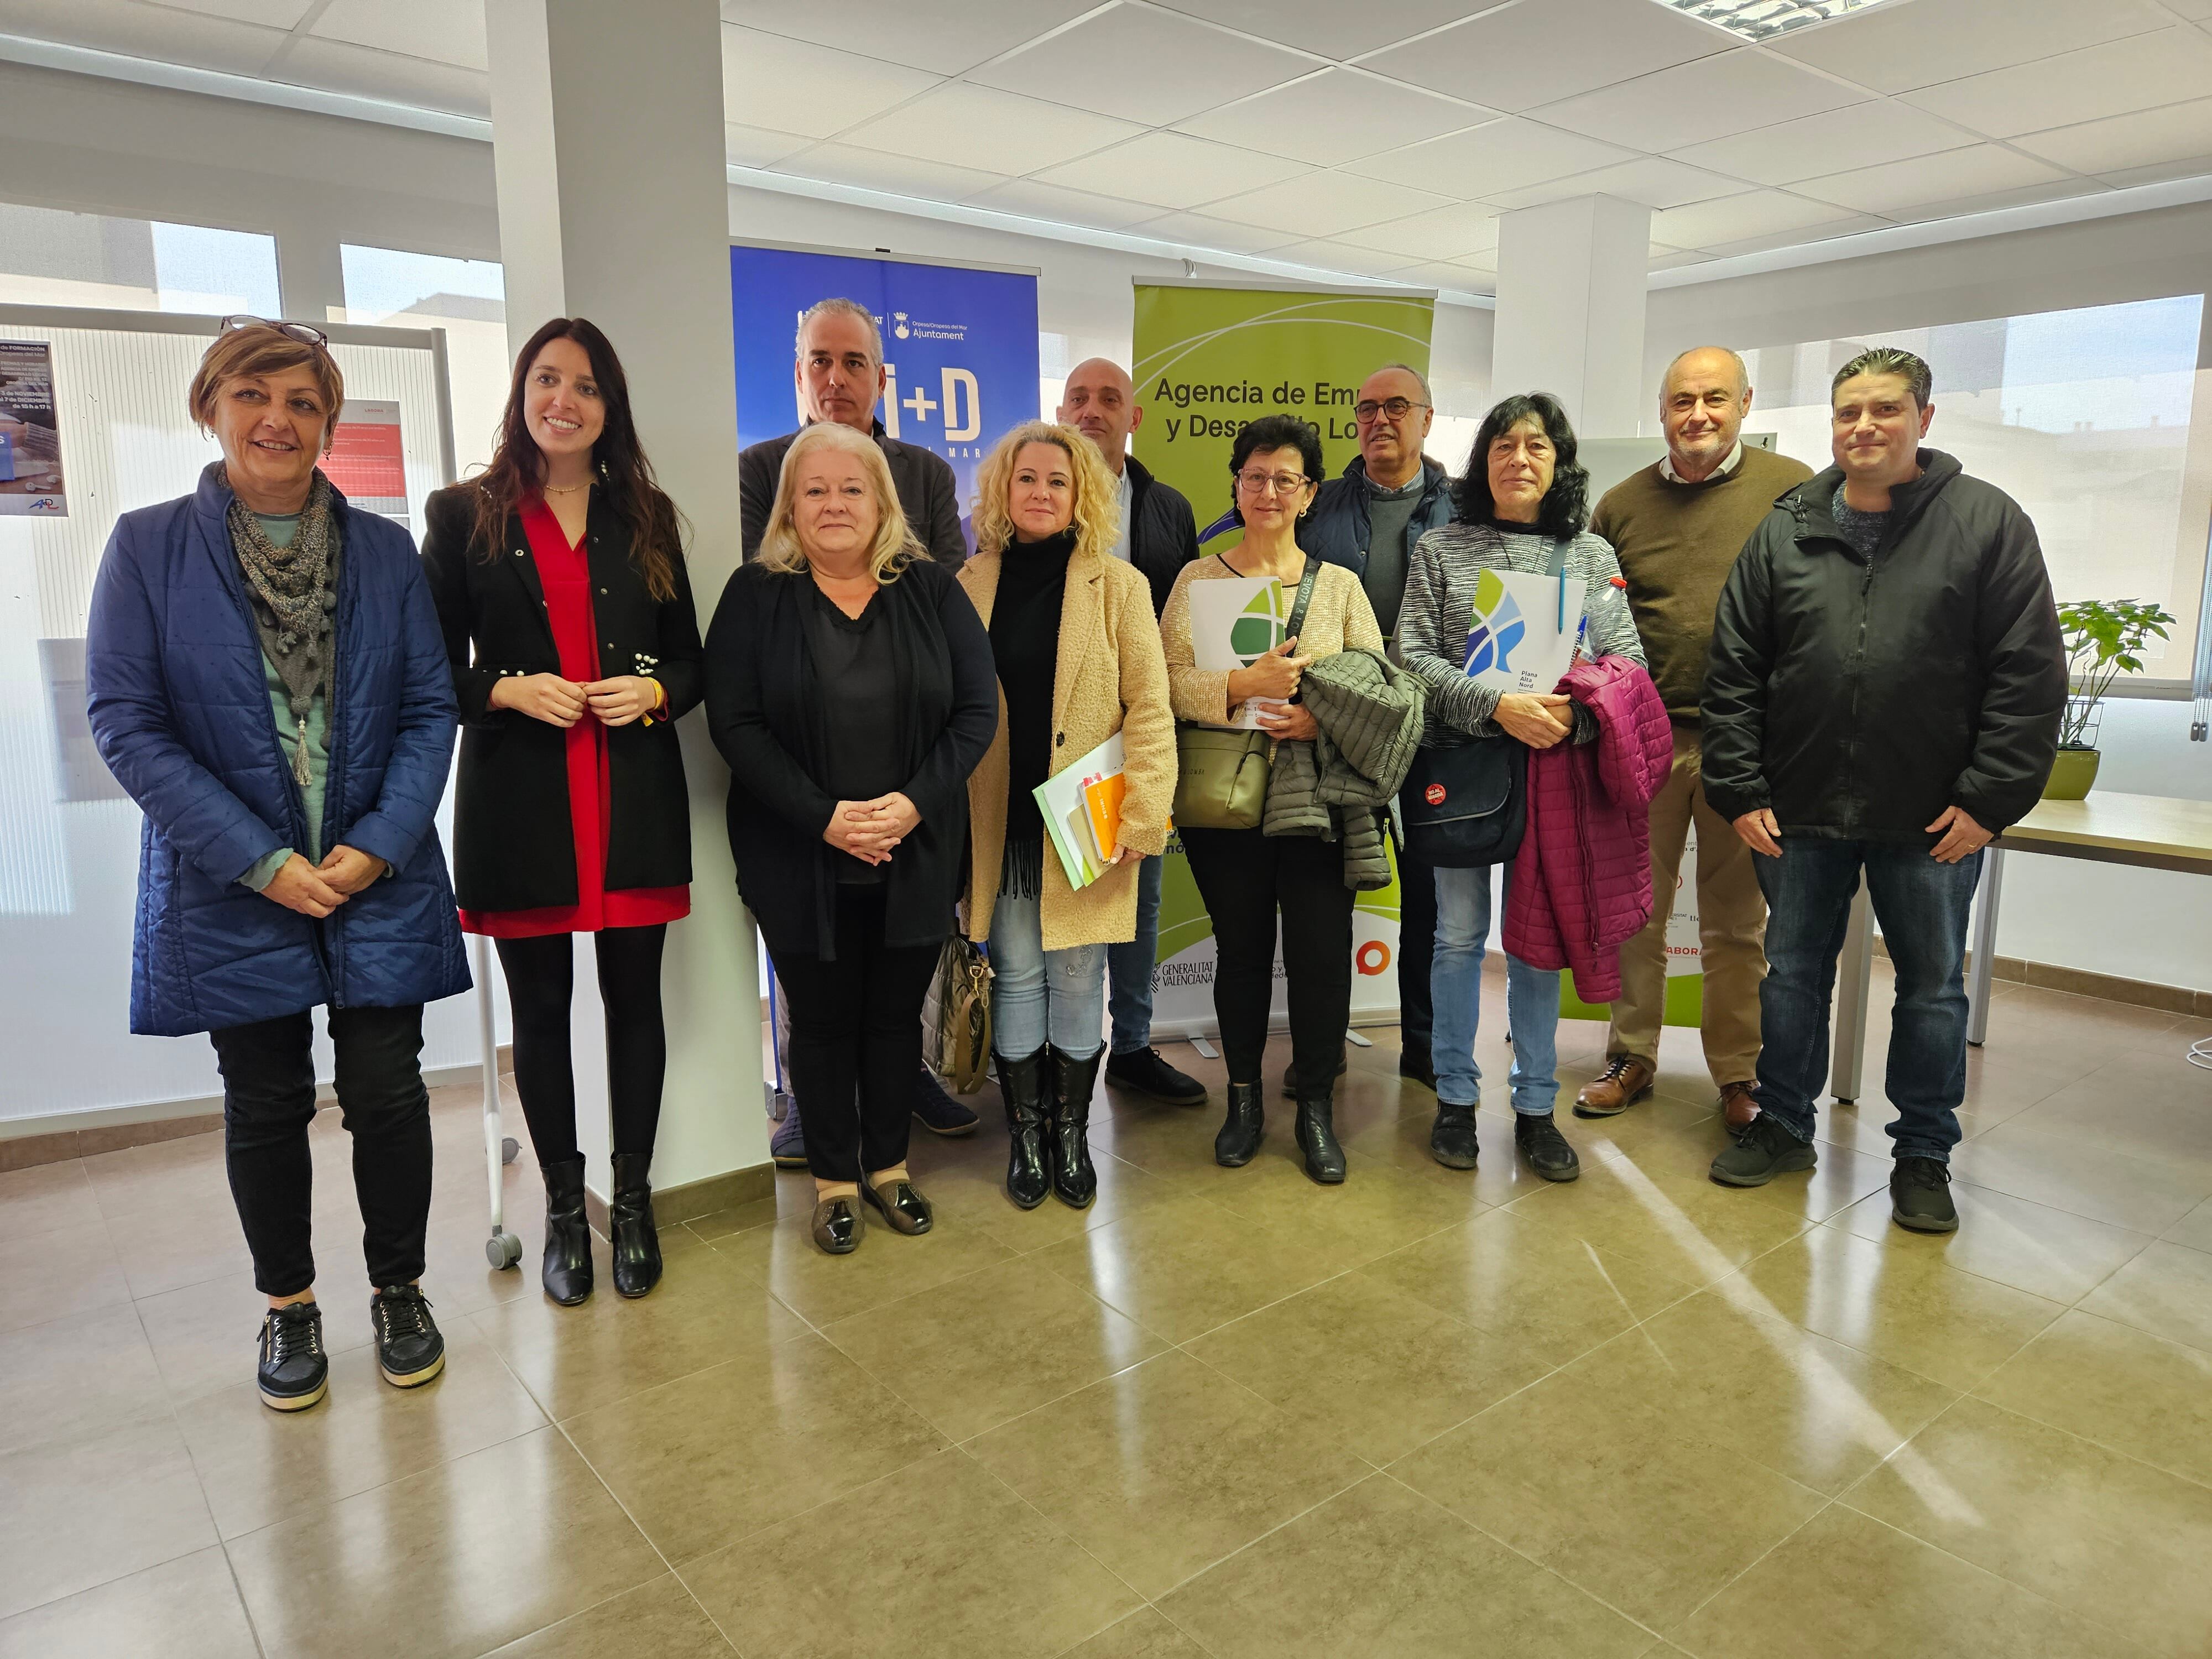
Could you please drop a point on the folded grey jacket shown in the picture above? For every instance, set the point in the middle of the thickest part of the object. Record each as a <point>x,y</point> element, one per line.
<point>1369,711</point>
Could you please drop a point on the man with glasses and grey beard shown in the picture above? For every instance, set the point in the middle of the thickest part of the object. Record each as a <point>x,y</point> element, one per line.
<point>1368,520</point>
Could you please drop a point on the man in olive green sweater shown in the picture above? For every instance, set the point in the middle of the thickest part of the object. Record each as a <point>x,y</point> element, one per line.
<point>1678,527</point>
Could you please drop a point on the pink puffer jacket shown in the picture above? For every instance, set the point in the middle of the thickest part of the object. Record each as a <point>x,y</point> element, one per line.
<point>1582,882</point>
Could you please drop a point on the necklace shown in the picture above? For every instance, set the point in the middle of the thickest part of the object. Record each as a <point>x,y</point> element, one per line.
<point>566,489</point>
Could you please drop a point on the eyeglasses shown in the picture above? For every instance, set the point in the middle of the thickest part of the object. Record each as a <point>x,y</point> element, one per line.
<point>300,332</point>
<point>1256,482</point>
<point>1396,408</point>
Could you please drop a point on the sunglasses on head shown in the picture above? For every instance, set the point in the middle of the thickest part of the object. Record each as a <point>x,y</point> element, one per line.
<point>300,332</point>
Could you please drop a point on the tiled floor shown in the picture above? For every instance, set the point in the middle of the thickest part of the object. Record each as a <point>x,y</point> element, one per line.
<point>1223,1412</point>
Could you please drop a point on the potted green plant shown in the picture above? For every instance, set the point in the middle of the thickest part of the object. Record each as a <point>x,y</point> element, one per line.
<point>2105,639</point>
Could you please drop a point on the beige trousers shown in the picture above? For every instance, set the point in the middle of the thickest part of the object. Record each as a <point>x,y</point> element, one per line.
<point>1731,929</point>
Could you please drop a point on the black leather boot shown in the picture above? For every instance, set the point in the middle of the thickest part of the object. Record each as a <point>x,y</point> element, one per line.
<point>1239,1139</point>
<point>629,1218</point>
<point>1022,1083</point>
<point>567,1271</point>
<point>1316,1139</point>
<point>1074,1179</point>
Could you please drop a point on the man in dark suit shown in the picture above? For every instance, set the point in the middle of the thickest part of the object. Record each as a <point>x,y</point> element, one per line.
<point>1160,537</point>
<point>840,375</point>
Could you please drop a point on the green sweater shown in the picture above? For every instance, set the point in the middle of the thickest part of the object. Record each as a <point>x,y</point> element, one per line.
<point>1676,544</point>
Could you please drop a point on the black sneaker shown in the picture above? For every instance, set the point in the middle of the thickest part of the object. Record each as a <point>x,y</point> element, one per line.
<point>294,1372</point>
<point>786,1147</point>
<point>1452,1141</point>
<point>1920,1196</point>
<point>1418,1065</point>
<point>1763,1149</point>
<point>1545,1147</point>
<point>1290,1076</point>
<point>410,1352</point>
<point>1143,1070</point>
<point>937,1111</point>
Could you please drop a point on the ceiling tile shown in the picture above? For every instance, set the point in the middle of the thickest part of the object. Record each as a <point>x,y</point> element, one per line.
<point>963,124</point>
<point>1173,170</point>
<point>1061,206</point>
<point>774,82</point>
<point>1335,116</point>
<point>1850,225</point>
<point>1476,279</point>
<point>757,147</point>
<point>2187,167</point>
<point>445,31</point>
<point>2146,138</point>
<point>1895,186</point>
<point>1675,261</point>
<point>273,14</point>
<point>1324,205</point>
<point>1653,181</point>
<point>341,66</point>
<point>1341,256</point>
<point>2114,79</point>
<point>1738,218</point>
<point>1711,98</point>
<point>1445,233</point>
<point>1817,144</point>
<point>1330,26</point>
<point>1541,51</point>
<point>1198,232</point>
<point>894,175</point>
<point>1155,67</point>
<point>1503,155</point>
<point>942,36</point>
<point>137,30</point>
<point>1896,48</point>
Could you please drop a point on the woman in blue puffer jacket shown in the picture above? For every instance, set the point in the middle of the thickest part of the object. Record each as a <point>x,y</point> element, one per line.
<point>267,679</point>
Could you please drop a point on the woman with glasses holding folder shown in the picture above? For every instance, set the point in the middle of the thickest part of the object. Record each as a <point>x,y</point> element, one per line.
<point>1078,662</point>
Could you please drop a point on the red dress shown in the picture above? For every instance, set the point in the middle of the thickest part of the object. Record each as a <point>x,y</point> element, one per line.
<point>565,576</point>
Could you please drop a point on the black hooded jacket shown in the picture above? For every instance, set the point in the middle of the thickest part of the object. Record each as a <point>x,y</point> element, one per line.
<point>1858,698</point>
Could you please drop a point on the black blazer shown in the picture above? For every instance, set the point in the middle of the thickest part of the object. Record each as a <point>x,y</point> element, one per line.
<point>514,848</point>
<point>1162,534</point>
<point>764,710</point>
<point>927,493</point>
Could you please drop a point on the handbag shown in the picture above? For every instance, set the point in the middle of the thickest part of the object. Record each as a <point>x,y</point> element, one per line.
<point>1465,806</point>
<point>955,1015</point>
<point>1221,776</point>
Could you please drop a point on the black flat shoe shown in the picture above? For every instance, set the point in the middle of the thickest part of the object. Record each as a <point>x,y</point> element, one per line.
<point>295,1373</point>
<point>937,1111</point>
<point>1241,1129</point>
<point>1025,1086</point>
<point>1452,1141</point>
<point>629,1218</point>
<point>905,1211</point>
<point>1316,1138</point>
<point>1146,1071</point>
<point>410,1350</point>
<point>567,1273</point>
<point>838,1228</point>
<point>1547,1150</point>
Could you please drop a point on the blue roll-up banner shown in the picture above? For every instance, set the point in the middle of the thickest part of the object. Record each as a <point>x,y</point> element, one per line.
<point>960,347</point>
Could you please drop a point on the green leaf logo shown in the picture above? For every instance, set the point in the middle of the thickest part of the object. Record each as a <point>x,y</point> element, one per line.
<point>1259,628</point>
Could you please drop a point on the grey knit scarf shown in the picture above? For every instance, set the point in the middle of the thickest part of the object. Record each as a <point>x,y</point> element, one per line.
<point>297,592</point>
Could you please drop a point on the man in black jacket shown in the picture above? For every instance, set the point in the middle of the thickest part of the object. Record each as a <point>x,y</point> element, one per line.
<point>1160,537</point>
<point>1884,693</point>
<point>840,375</point>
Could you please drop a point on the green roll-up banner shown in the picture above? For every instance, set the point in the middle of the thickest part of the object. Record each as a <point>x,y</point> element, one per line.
<point>1210,359</point>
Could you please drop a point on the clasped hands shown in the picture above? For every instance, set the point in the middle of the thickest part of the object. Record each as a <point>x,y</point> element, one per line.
<point>870,830</point>
<point>1962,837</point>
<point>316,890</point>
<point>615,701</point>
<point>1273,675</point>
<point>1541,721</point>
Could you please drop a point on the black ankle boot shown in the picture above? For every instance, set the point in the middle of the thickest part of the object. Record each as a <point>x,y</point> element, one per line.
<point>1074,1180</point>
<point>567,1271</point>
<point>1239,1139</point>
<point>1316,1138</point>
<point>1022,1084</point>
<point>629,1218</point>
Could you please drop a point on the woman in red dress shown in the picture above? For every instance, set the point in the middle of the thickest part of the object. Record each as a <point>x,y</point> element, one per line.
<point>560,583</point>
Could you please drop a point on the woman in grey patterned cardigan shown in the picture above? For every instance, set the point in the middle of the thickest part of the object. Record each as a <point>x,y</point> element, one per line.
<point>1523,495</point>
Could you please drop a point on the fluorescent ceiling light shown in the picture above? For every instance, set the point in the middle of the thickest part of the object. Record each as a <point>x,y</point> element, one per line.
<point>1763,19</point>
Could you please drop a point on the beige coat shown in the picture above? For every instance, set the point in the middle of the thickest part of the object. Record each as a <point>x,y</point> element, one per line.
<point>1110,676</point>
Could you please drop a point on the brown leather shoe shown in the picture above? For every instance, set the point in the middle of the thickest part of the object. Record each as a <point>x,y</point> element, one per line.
<point>1625,1081</point>
<point>1737,1105</point>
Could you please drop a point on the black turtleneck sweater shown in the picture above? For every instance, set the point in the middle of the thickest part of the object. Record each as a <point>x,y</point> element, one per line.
<point>1025,643</point>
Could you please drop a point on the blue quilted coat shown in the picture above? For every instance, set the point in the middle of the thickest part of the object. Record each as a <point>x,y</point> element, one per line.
<point>180,706</point>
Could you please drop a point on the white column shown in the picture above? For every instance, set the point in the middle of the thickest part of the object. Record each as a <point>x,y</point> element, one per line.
<point>613,205</point>
<point>1571,296</point>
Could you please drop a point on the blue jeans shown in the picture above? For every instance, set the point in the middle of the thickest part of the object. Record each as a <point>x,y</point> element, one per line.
<point>1040,996</point>
<point>1922,908</point>
<point>1531,1001</point>
<point>1129,967</point>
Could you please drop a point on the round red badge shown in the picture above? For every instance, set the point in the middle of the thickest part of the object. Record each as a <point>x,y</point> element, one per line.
<point>1434,794</point>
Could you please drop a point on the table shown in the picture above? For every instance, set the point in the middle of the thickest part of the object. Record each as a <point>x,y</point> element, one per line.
<point>2153,832</point>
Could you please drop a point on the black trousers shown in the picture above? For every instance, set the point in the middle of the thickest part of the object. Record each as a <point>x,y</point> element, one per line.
<point>856,1040</point>
<point>541,976</point>
<point>268,1101</point>
<point>1245,879</point>
<point>1417,950</point>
